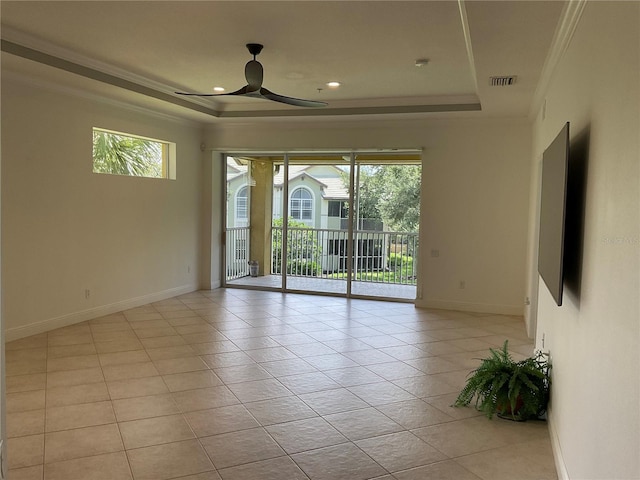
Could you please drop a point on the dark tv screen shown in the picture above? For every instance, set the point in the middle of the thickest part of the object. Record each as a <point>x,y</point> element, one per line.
<point>555,162</point>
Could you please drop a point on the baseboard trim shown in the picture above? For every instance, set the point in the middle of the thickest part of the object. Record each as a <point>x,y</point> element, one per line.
<point>45,325</point>
<point>561,467</point>
<point>472,307</point>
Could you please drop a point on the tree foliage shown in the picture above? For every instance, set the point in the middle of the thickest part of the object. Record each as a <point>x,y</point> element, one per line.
<point>391,193</point>
<point>123,155</point>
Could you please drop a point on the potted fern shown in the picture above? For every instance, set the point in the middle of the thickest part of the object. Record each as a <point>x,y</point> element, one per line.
<point>517,390</point>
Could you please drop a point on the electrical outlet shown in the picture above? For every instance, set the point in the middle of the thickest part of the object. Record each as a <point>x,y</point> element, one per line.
<point>463,284</point>
<point>435,253</point>
<point>87,294</point>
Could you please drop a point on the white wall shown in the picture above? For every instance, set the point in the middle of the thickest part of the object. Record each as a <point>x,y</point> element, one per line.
<point>65,229</point>
<point>594,336</point>
<point>476,175</point>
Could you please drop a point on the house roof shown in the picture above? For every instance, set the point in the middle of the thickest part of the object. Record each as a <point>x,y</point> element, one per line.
<point>372,48</point>
<point>332,187</point>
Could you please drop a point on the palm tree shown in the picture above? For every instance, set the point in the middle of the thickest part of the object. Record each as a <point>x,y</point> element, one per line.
<point>123,155</point>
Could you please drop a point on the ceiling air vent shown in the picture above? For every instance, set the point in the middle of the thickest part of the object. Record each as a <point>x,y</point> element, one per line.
<point>503,81</point>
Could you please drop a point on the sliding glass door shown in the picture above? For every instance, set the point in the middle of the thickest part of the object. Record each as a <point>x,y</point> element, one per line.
<point>328,223</point>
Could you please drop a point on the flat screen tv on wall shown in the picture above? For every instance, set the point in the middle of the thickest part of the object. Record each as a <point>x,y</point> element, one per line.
<point>555,163</point>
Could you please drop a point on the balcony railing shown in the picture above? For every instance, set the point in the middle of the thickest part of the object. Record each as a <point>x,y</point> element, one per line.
<point>378,257</point>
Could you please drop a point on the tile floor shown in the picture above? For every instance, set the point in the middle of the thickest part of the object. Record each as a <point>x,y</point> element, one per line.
<point>238,384</point>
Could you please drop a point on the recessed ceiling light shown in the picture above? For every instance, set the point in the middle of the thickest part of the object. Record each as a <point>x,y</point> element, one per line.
<point>218,89</point>
<point>333,84</point>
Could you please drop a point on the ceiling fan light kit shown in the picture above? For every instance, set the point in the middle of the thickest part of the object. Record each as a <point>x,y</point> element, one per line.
<point>253,73</point>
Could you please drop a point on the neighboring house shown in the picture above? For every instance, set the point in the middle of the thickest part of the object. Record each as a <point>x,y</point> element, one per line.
<point>317,197</point>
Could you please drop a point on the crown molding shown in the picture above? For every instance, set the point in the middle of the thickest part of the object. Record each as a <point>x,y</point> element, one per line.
<point>44,84</point>
<point>565,30</point>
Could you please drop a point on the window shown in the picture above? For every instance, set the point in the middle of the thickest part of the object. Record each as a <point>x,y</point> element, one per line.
<point>242,205</point>
<point>124,154</point>
<point>301,204</point>
<point>338,209</point>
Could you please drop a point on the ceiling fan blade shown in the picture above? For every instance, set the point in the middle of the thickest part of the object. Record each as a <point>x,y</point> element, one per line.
<point>242,91</point>
<point>298,102</point>
<point>197,94</point>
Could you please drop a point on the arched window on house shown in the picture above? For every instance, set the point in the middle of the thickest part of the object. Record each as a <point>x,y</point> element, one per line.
<point>301,206</point>
<point>242,207</point>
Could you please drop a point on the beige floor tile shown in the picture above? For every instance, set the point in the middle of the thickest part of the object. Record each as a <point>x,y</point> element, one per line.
<point>259,390</point>
<point>352,376</point>
<point>333,401</point>
<point>292,366</point>
<point>203,476</point>
<point>117,336</point>
<point>338,462</point>
<point>308,382</point>
<point>220,420</point>
<point>129,371</point>
<point>25,423</point>
<point>444,404</point>
<point>71,350</point>
<point>155,431</point>
<point>161,342</point>
<point>390,392</point>
<point>88,393</point>
<point>280,410</point>
<point>144,407</point>
<point>212,348</point>
<point>381,393</point>
<point>400,451</point>
<point>27,473</point>
<point>25,401</point>
<point>110,466</point>
<point>118,346</point>
<point>425,386</point>
<point>227,359</point>
<point>171,460</point>
<point>78,416</point>
<point>82,442</point>
<point>414,414</point>
<point>72,363</point>
<point>154,328</point>
<point>463,437</point>
<point>123,358</point>
<point>525,461</point>
<point>74,377</point>
<point>70,339</point>
<point>178,382</point>
<point>273,469</point>
<point>25,451</point>
<point>136,387</point>
<point>447,470</point>
<point>180,365</point>
<point>25,367</point>
<point>26,354</point>
<point>242,373</point>
<point>204,398</point>
<point>26,383</point>
<point>170,352</point>
<point>237,448</point>
<point>307,434</point>
<point>364,423</point>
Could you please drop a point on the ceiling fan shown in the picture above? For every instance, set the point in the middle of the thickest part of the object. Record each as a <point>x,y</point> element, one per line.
<point>253,73</point>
